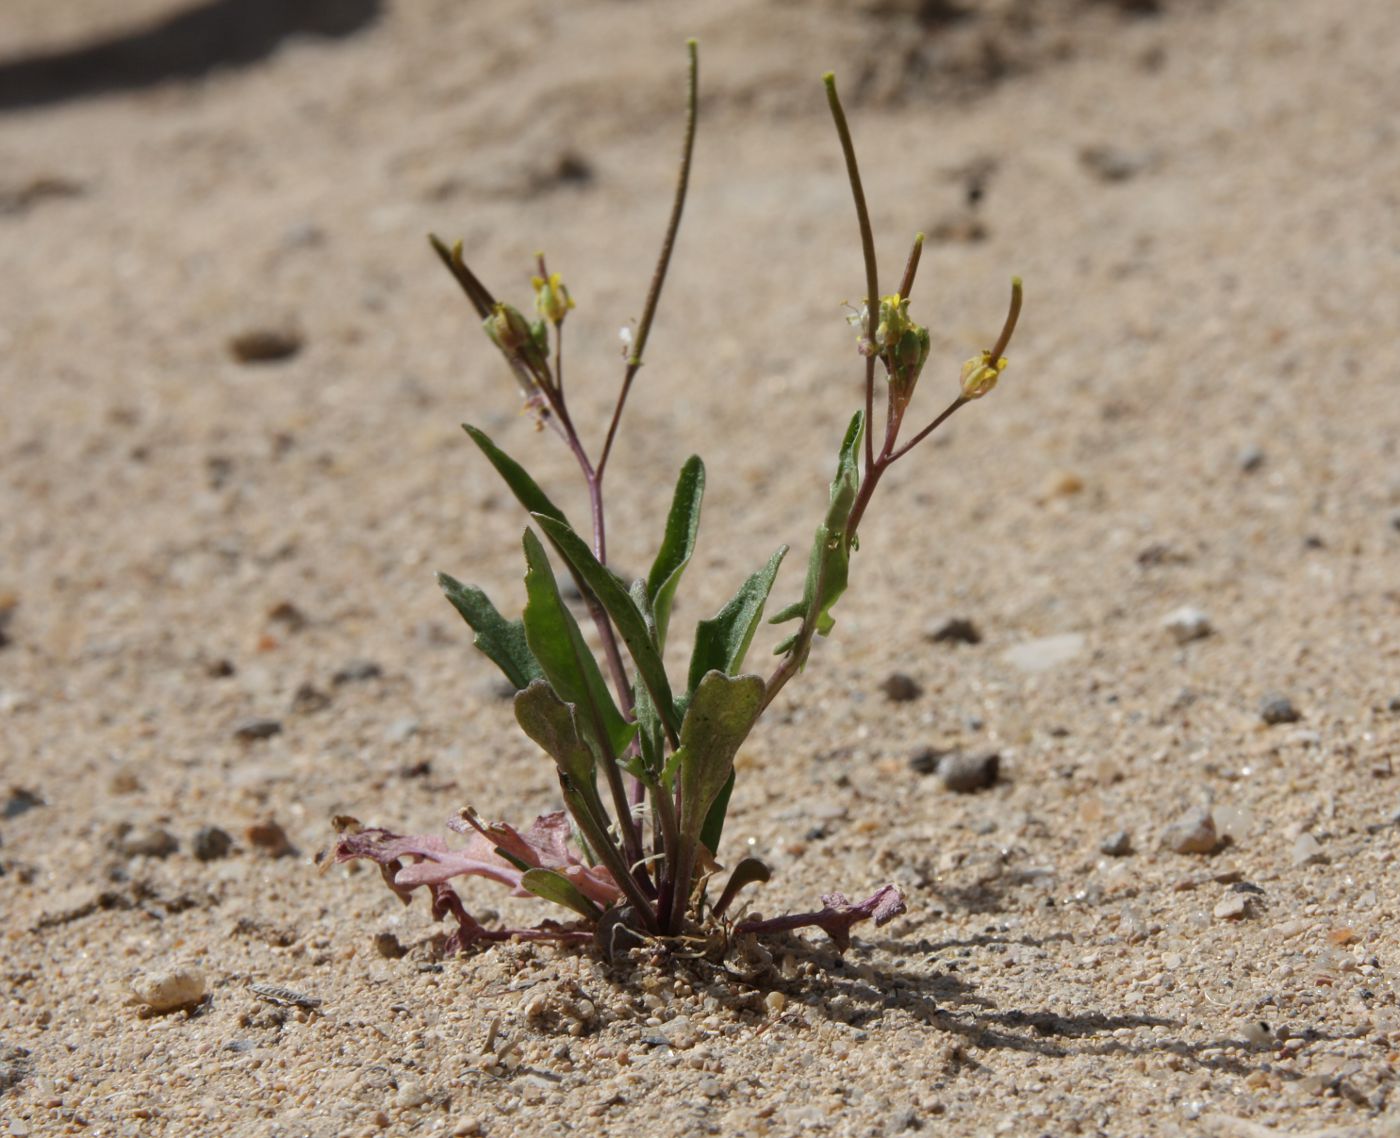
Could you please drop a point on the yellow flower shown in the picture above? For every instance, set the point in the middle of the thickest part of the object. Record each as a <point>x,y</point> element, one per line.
<point>552,299</point>
<point>980,375</point>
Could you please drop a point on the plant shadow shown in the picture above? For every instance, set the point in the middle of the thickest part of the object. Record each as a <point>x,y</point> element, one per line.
<point>949,1003</point>
<point>185,45</point>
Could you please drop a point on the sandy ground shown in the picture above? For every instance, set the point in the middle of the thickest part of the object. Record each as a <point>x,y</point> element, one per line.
<point>1203,410</point>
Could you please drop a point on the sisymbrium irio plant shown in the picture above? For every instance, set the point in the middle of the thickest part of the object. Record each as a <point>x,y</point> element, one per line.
<point>646,760</point>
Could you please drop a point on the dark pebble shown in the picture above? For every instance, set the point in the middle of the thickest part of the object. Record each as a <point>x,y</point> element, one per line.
<point>220,669</point>
<point>956,630</point>
<point>21,801</point>
<point>357,671</point>
<point>211,843</point>
<point>926,760</point>
<point>270,838</point>
<point>1275,709</point>
<point>146,841</point>
<point>288,615</point>
<point>388,946</point>
<point>966,774</point>
<point>900,687</point>
<point>1250,459</point>
<point>251,729</point>
<point>308,698</point>
<point>265,345</point>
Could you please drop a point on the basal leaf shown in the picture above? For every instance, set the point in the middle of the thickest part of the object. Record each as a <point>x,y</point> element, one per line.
<point>503,641</point>
<point>747,872</point>
<point>677,546</point>
<point>713,829</point>
<point>564,657</point>
<point>631,624</point>
<point>721,713</point>
<point>554,886</point>
<point>553,724</point>
<point>722,641</point>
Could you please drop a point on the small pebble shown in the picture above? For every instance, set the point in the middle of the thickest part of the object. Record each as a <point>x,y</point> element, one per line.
<point>775,1002</point>
<point>1117,844</point>
<point>147,841</point>
<point>401,731</point>
<point>168,990</point>
<point>900,687</point>
<point>270,838</point>
<point>1062,484</point>
<point>1187,624</point>
<point>956,630</point>
<point>20,801</point>
<point>925,760</point>
<point>211,843</point>
<point>1275,709</point>
<point>1257,1033</point>
<point>1112,163</point>
<point>1047,652</point>
<point>388,946</point>
<point>1250,459</point>
<point>288,615</point>
<point>252,729</point>
<point>309,699</point>
<point>357,671</point>
<point>265,345</point>
<point>411,1094</point>
<point>1193,833</point>
<point>1234,907</point>
<point>1307,850</point>
<point>967,773</point>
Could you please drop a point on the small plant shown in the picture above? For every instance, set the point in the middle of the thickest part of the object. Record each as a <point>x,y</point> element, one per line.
<point>645,761</point>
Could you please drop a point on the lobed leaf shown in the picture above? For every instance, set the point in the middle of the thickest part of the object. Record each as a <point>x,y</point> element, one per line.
<point>502,641</point>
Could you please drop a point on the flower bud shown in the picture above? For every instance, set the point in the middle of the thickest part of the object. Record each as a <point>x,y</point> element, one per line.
<point>980,375</point>
<point>552,299</point>
<point>508,330</point>
<point>905,359</point>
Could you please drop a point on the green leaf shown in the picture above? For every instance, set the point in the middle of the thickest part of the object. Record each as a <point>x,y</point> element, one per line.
<point>626,616</point>
<point>722,641</point>
<point>554,637</point>
<point>554,886</point>
<point>553,724</point>
<point>722,712</point>
<point>525,488</point>
<point>503,641</point>
<point>713,829</point>
<point>677,546</point>
<point>746,873</point>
